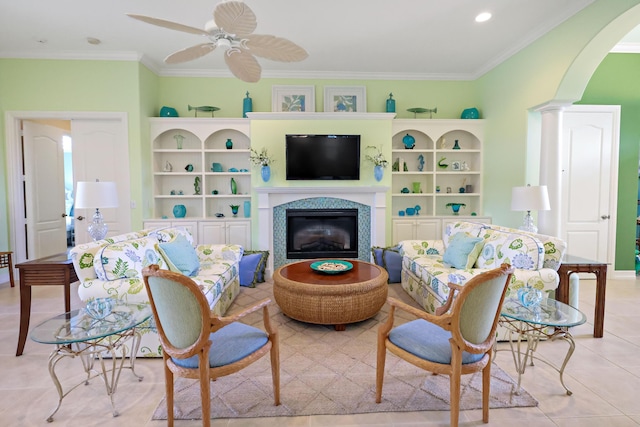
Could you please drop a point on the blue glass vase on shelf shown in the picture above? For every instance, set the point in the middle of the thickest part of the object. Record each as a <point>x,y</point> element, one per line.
<point>408,141</point>
<point>179,211</point>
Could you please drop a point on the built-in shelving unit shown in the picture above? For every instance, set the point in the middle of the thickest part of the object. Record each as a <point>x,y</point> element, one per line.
<point>437,171</point>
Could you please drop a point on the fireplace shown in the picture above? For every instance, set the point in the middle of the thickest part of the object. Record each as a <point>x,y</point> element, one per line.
<point>321,233</point>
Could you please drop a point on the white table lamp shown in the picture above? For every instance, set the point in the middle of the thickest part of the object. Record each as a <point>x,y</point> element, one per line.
<point>96,195</point>
<point>529,199</point>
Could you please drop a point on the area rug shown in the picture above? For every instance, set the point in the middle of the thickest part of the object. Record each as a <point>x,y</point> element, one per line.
<point>327,372</point>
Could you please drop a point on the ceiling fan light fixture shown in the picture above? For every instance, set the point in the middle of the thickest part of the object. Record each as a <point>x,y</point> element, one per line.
<point>224,44</point>
<point>483,17</point>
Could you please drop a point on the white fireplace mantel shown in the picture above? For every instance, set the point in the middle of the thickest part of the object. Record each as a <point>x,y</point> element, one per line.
<point>269,197</point>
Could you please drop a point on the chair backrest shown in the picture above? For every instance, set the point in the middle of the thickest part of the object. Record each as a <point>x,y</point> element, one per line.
<point>477,307</point>
<point>180,310</point>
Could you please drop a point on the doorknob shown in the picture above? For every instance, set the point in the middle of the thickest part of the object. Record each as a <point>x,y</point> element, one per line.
<point>64,215</point>
<point>605,216</point>
<point>80,218</point>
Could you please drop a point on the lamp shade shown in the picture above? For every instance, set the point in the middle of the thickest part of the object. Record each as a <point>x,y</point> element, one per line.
<point>99,194</point>
<point>530,198</point>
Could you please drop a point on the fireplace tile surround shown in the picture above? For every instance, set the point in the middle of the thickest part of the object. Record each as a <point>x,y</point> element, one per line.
<point>274,201</point>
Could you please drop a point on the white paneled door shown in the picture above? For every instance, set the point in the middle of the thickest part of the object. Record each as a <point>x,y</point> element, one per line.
<point>46,230</point>
<point>590,141</point>
<point>101,151</point>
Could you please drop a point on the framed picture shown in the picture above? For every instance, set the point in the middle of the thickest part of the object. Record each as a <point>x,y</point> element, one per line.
<point>345,99</point>
<point>293,98</point>
<point>456,165</point>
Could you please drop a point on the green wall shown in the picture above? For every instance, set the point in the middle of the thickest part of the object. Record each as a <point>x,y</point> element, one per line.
<point>616,82</point>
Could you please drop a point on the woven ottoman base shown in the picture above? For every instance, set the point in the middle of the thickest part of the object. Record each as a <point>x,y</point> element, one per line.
<point>330,299</point>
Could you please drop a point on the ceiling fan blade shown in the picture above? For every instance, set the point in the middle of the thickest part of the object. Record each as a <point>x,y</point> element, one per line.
<point>190,53</point>
<point>243,65</point>
<point>235,17</point>
<point>275,48</point>
<point>168,24</point>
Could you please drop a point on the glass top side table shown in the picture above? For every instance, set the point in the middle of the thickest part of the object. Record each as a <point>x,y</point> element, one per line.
<point>90,337</point>
<point>550,319</point>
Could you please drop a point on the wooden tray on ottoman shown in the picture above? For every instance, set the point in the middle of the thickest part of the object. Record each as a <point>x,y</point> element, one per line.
<point>330,299</point>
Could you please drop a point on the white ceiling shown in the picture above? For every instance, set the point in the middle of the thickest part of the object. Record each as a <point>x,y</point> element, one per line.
<point>399,39</point>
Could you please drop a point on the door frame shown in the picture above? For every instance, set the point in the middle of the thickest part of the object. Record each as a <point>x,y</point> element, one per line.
<point>13,138</point>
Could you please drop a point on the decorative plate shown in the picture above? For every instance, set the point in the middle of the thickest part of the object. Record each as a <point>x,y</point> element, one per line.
<point>331,266</point>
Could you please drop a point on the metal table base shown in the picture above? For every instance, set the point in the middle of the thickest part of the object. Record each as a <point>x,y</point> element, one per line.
<point>89,352</point>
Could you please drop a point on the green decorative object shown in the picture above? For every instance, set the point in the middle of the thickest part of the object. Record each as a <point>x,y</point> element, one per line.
<point>234,186</point>
<point>234,209</point>
<point>204,108</point>
<point>441,163</point>
<point>196,186</point>
<point>456,146</point>
<point>229,144</point>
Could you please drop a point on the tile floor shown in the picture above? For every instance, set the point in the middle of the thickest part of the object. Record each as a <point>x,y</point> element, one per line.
<point>604,375</point>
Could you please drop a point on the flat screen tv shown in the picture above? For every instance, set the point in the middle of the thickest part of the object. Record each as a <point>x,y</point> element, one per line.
<point>323,157</point>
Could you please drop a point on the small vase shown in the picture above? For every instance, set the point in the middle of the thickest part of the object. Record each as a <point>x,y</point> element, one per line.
<point>234,186</point>
<point>378,172</point>
<point>456,146</point>
<point>179,211</point>
<point>234,209</point>
<point>408,141</point>
<point>455,207</point>
<point>229,144</point>
<point>247,106</point>
<point>247,209</point>
<point>179,139</point>
<point>391,104</point>
<point>416,187</point>
<point>266,173</point>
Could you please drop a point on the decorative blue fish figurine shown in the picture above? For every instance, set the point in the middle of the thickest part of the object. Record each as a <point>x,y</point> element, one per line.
<point>205,108</point>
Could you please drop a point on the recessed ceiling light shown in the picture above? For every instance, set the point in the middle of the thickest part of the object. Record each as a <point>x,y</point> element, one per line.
<point>483,17</point>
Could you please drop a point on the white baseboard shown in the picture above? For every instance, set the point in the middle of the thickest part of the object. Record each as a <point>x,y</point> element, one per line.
<point>622,274</point>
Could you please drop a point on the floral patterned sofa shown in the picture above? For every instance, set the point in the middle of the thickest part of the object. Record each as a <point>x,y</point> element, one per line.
<point>425,273</point>
<point>113,268</point>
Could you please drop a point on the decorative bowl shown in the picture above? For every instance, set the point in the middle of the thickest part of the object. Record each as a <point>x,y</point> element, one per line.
<point>100,308</point>
<point>411,211</point>
<point>331,266</point>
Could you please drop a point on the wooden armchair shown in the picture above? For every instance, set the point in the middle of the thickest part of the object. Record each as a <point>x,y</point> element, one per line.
<point>201,346</point>
<point>458,340</point>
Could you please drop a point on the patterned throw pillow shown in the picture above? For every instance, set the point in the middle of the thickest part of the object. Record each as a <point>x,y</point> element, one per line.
<point>463,250</point>
<point>521,250</point>
<point>126,259</point>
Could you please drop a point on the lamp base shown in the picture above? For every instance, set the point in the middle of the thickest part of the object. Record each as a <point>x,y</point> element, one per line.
<point>528,224</point>
<point>97,228</point>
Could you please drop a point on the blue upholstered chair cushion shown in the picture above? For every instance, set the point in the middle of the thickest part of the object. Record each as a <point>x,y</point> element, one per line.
<point>230,344</point>
<point>463,250</point>
<point>249,269</point>
<point>180,256</point>
<point>427,341</point>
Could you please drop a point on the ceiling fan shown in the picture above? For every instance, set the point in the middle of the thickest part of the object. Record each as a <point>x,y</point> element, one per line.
<point>231,30</point>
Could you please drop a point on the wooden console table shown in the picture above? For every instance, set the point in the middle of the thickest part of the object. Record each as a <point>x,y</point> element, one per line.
<point>573,264</point>
<point>54,270</point>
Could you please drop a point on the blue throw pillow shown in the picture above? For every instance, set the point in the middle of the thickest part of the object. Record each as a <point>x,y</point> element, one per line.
<point>463,250</point>
<point>390,259</point>
<point>249,269</point>
<point>180,256</point>
<point>262,266</point>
